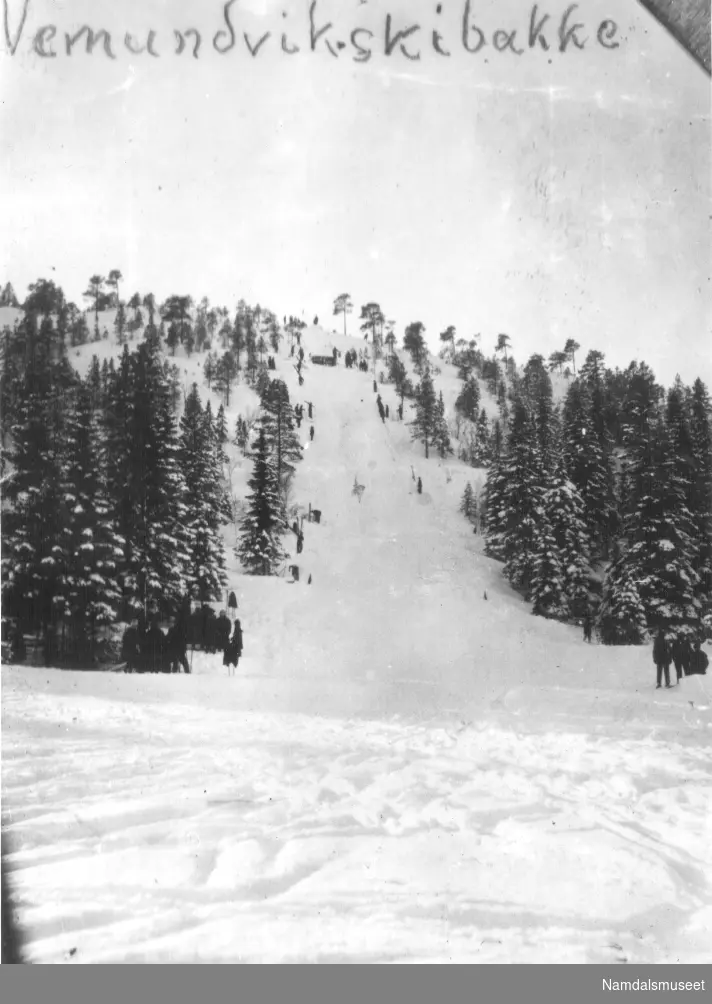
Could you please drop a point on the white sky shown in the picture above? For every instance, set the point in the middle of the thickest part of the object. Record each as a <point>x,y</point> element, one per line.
<point>453,191</point>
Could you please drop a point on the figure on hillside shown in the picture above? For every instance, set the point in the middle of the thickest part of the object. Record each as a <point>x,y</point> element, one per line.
<point>233,649</point>
<point>309,580</point>
<point>292,350</point>
<point>310,406</point>
<point>662,657</point>
<point>316,321</point>
<point>388,414</point>
<point>699,661</point>
<point>400,412</point>
<point>375,386</point>
<point>587,626</point>
<point>311,432</point>
<point>420,487</point>
<point>335,355</point>
<point>681,653</point>
<point>300,542</point>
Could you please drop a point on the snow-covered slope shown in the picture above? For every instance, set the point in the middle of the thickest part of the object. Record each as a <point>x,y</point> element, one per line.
<point>402,771</point>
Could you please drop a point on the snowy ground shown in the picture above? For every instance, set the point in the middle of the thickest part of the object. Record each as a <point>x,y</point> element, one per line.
<point>402,770</point>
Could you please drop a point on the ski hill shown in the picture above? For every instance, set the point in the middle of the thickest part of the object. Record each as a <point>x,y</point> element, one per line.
<point>408,767</point>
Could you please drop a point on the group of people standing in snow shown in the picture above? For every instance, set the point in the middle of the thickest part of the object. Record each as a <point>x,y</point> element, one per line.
<point>669,648</point>
<point>146,648</point>
<point>685,654</point>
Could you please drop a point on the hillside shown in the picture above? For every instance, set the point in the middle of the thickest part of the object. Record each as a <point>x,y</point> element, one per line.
<point>408,766</point>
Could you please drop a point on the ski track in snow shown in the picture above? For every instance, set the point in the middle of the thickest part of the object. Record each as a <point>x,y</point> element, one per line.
<point>401,772</point>
<point>147,830</point>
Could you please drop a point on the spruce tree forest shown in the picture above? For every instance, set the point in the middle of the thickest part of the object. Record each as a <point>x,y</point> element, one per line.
<point>117,498</point>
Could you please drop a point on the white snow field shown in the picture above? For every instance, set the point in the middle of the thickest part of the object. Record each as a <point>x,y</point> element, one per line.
<point>402,770</point>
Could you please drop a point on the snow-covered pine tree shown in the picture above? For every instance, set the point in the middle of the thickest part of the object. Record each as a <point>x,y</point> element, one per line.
<point>398,376</point>
<point>468,504</point>
<point>220,436</point>
<point>548,578</point>
<point>277,422</point>
<point>495,508</point>
<point>242,434</point>
<point>93,548</point>
<point>537,390</point>
<point>426,422</point>
<point>641,412</point>
<point>468,400</point>
<point>659,530</point>
<point>205,502</point>
<point>621,617</point>
<point>700,498</point>
<point>588,463</point>
<point>157,554</point>
<point>483,451</point>
<point>524,478</point>
<point>564,516</point>
<point>442,433</point>
<point>259,548</point>
<point>33,554</point>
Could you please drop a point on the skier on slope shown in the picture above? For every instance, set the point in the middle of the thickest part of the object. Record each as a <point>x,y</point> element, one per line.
<point>662,657</point>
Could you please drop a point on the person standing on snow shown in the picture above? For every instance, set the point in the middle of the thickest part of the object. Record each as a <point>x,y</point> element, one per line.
<point>699,661</point>
<point>311,433</point>
<point>680,650</point>
<point>587,626</point>
<point>233,649</point>
<point>662,657</point>
<point>420,487</point>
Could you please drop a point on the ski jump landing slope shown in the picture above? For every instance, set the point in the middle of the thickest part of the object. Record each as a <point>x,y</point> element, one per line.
<point>402,771</point>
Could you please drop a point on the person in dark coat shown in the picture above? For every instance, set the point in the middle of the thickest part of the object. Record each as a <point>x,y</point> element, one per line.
<point>662,657</point>
<point>233,650</point>
<point>300,542</point>
<point>698,662</point>
<point>311,432</point>
<point>420,487</point>
<point>222,631</point>
<point>400,412</point>
<point>375,386</point>
<point>388,414</point>
<point>177,641</point>
<point>131,649</point>
<point>153,646</point>
<point>680,650</point>
<point>310,406</point>
<point>587,626</point>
